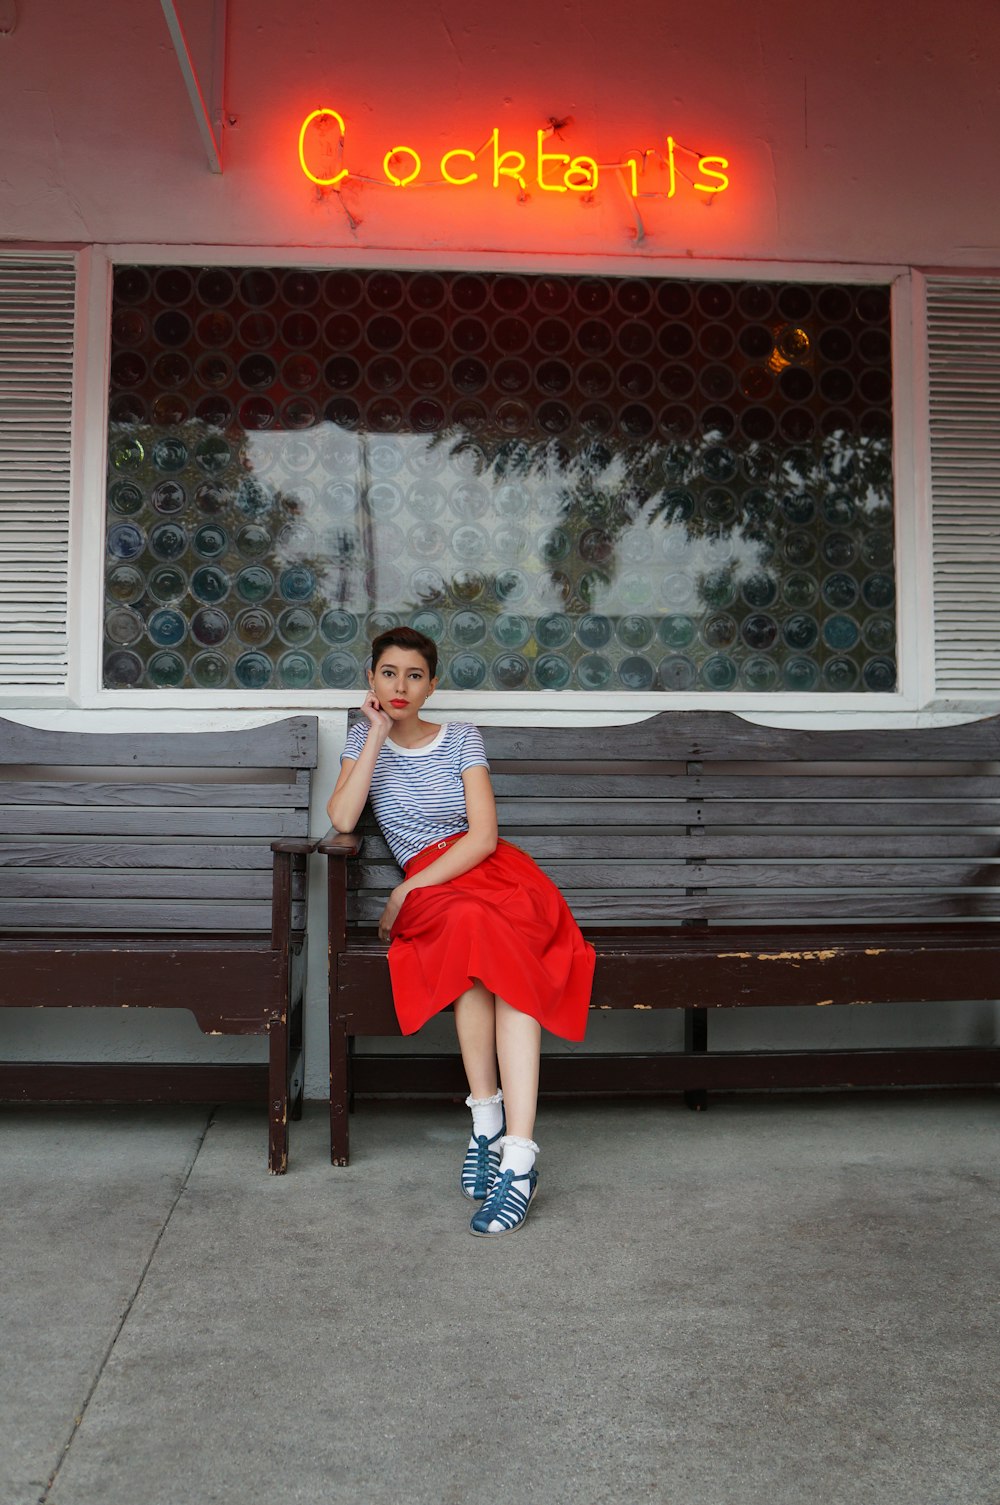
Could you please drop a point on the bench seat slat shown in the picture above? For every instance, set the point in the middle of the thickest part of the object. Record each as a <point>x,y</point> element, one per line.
<point>709,785</point>
<point>765,904</point>
<point>943,814</point>
<point>732,942</point>
<point>605,845</point>
<point>702,845</point>
<point>179,795</point>
<point>569,875</point>
<point>140,914</point>
<point>156,883</point>
<point>790,906</point>
<point>914,875</point>
<point>291,742</point>
<point>723,736</point>
<point>97,854</point>
<point>176,942</point>
<point>153,821</point>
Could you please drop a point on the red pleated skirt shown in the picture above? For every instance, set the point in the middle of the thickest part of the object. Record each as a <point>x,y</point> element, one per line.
<point>503,922</point>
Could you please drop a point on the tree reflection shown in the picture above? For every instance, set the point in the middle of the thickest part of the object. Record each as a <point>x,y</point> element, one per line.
<point>748,537</point>
<point>663,563</point>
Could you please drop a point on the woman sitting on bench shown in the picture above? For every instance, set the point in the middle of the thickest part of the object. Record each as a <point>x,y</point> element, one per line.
<point>474,923</point>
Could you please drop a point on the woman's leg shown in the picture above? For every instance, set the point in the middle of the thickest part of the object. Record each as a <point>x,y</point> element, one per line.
<point>475,1022</point>
<point>519,1041</point>
<point>518,1048</point>
<point>476,1025</point>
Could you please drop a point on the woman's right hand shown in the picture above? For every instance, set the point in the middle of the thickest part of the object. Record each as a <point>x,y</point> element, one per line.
<point>377,718</point>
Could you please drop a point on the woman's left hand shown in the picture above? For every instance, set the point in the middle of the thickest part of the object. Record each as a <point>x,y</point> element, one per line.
<point>389,913</point>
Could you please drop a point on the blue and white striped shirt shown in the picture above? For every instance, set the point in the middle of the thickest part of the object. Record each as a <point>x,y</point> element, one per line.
<point>417,793</point>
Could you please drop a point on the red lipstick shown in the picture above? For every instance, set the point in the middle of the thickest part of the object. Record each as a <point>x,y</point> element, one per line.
<point>399,704</point>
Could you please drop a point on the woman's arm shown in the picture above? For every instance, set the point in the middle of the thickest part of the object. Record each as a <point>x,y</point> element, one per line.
<point>478,842</point>
<point>350,792</point>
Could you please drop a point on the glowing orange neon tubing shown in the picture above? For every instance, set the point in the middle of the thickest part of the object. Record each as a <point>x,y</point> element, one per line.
<point>459,151</point>
<point>586,168</point>
<point>500,158</point>
<point>713,172</point>
<point>393,151</point>
<point>543,157</point>
<point>316,115</point>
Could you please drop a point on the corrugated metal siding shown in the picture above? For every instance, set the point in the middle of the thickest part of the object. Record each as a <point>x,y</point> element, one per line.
<point>963,333</point>
<point>37,307</point>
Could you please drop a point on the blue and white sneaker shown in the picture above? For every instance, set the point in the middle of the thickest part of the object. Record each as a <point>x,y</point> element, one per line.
<point>507,1204</point>
<point>481,1165</point>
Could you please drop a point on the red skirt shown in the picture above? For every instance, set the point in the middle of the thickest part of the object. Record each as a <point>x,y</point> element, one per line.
<point>503,922</point>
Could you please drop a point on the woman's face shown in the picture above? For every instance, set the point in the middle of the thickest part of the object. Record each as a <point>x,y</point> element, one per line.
<point>401,681</point>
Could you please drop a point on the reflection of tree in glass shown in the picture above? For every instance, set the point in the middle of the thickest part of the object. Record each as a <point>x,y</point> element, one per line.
<point>243,541</point>
<point>708,488</point>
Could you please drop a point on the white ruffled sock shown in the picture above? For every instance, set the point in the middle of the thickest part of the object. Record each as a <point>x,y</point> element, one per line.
<point>519,1157</point>
<point>487,1116</point>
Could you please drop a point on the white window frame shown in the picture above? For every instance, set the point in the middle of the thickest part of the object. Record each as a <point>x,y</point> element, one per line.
<point>911,499</point>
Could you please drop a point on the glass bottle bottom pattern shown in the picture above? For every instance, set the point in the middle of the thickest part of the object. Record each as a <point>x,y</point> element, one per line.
<point>642,486</point>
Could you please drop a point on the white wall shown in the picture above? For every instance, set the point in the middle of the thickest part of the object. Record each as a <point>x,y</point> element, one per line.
<point>857,133</point>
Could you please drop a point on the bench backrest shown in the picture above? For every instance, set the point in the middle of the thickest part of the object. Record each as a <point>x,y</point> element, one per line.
<point>151,831</point>
<point>703,816</point>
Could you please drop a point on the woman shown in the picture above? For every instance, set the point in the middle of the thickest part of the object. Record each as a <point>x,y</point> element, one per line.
<point>474,923</point>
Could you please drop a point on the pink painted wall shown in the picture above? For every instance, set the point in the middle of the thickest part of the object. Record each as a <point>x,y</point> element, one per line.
<point>859,131</point>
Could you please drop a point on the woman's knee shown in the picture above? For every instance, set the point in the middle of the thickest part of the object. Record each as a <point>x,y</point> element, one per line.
<point>478,995</point>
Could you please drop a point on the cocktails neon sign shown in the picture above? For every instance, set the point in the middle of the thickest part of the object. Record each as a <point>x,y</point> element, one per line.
<point>322,140</point>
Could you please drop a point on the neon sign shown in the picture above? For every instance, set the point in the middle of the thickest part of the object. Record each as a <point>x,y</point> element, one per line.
<point>650,173</point>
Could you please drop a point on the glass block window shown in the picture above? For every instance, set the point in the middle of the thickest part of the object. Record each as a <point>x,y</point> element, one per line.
<point>589,483</point>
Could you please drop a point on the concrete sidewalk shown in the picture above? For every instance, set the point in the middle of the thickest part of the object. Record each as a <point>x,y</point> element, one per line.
<point>778,1302</point>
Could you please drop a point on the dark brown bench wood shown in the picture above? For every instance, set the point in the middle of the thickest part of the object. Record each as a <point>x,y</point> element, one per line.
<point>718,864</point>
<point>159,870</point>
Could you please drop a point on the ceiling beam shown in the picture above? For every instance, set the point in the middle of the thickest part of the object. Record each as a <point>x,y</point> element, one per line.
<point>209,121</point>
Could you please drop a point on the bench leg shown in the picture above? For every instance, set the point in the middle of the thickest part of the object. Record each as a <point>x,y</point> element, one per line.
<point>340,1088</point>
<point>296,1063</point>
<point>277,1096</point>
<point>696,1043</point>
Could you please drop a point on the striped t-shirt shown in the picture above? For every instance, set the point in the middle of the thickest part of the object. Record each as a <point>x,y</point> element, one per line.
<point>417,793</point>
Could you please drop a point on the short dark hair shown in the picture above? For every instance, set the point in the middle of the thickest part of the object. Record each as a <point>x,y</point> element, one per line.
<point>406,637</point>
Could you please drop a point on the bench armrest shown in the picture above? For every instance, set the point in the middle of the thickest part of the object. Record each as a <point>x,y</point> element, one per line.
<point>296,845</point>
<point>340,844</point>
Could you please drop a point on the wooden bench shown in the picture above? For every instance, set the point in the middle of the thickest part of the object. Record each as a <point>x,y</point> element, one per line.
<point>718,864</point>
<point>159,870</point>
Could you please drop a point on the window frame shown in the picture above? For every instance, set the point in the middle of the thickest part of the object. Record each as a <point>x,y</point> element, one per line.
<point>911,500</point>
